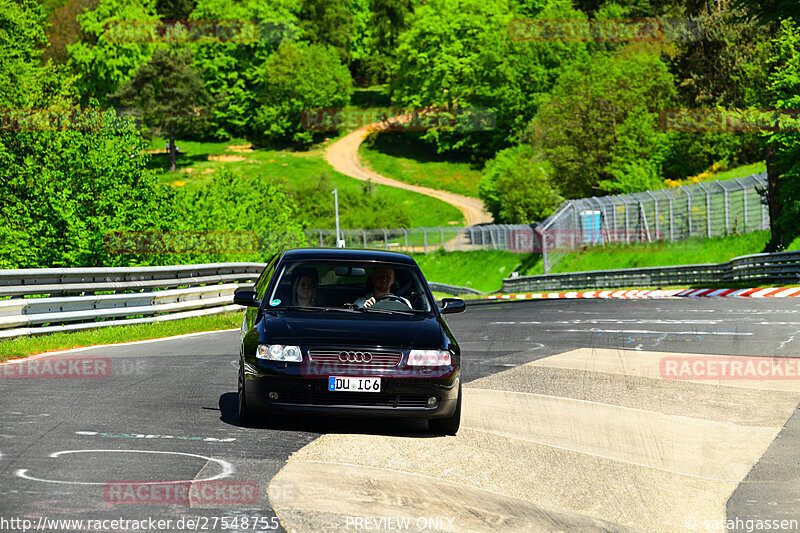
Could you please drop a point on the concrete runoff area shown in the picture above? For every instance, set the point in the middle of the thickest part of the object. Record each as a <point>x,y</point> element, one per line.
<point>664,456</point>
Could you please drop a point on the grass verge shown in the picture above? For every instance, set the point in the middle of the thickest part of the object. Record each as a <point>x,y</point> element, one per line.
<point>418,164</point>
<point>24,346</point>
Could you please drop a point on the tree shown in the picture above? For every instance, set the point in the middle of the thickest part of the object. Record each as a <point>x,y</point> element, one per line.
<point>599,128</point>
<point>388,19</point>
<point>170,96</point>
<point>517,186</point>
<point>294,79</point>
<point>118,37</point>
<point>328,22</point>
<point>782,146</point>
<point>462,54</point>
<point>776,85</point>
<point>231,68</point>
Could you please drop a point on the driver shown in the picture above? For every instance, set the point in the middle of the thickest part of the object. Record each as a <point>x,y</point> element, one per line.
<point>382,280</point>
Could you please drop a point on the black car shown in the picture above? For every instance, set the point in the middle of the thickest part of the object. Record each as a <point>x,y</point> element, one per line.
<point>348,332</point>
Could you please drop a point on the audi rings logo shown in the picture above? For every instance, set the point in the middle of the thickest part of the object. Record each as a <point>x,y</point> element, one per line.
<point>355,357</point>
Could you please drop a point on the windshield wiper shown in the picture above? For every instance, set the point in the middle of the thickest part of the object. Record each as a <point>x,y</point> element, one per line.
<point>316,308</point>
<point>386,311</point>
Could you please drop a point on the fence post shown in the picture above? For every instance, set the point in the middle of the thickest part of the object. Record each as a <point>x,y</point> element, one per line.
<point>655,207</point>
<point>425,240</point>
<point>688,206</point>
<point>405,233</point>
<point>483,238</point>
<point>744,192</point>
<point>364,234</point>
<point>491,235</point>
<point>643,214</point>
<point>458,238</point>
<point>614,216</point>
<point>320,238</point>
<point>627,225</point>
<point>725,192</point>
<point>472,238</point>
<point>708,209</point>
<point>385,239</point>
<point>671,220</point>
<point>543,240</point>
<point>441,231</point>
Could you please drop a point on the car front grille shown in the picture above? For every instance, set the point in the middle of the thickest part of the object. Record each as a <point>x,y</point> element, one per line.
<point>358,399</point>
<point>378,358</point>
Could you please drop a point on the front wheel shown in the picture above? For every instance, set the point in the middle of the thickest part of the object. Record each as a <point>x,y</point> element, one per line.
<point>449,425</point>
<point>245,414</point>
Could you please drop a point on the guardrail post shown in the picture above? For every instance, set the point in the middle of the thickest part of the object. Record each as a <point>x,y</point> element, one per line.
<point>364,234</point>
<point>405,233</point>
<point>424,241</point>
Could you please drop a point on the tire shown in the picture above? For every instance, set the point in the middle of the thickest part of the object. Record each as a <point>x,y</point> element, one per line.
<point>245,413</point>
<point>449,425</point>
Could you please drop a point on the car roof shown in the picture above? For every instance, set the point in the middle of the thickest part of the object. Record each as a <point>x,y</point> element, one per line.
<point>345,254</point>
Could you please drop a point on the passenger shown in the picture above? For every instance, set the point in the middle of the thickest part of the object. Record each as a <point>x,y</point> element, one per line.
<point>304,286</point>
<point>382,280</point>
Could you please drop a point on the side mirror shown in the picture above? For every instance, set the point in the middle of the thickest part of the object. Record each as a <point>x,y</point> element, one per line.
<point>246,298</point>
<point>453,305</point>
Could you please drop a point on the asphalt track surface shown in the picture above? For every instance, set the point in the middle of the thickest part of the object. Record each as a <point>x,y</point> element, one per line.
<point>567,425</point>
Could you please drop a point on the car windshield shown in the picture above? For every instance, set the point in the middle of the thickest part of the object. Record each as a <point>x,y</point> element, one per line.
<point>350,285</point>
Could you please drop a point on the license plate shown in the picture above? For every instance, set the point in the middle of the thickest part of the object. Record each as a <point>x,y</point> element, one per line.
<point>354,384</point>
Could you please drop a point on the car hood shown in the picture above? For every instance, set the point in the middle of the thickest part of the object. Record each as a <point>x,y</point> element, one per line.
<point>353,330</point>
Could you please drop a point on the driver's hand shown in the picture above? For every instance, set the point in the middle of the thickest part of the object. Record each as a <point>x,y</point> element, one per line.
<point>369,302</point>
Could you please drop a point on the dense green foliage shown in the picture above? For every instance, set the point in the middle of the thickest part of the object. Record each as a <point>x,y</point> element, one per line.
<point>544,117</point>
<point>294,79</point>
<point>517,186</point>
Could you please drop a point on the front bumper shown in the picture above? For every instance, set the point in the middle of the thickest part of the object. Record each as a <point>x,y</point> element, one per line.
<point>404,391</point>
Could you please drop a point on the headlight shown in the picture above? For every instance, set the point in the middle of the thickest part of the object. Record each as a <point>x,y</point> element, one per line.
<point>278,352</point>
<point>429,358</point>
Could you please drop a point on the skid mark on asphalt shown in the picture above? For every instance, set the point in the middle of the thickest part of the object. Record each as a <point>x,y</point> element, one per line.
<point>586,439</point>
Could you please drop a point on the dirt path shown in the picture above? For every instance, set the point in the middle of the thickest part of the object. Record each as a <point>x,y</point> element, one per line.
<point>343,156</point>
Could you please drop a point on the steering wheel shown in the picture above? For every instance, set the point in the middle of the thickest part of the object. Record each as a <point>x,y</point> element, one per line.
<point>394,298</point>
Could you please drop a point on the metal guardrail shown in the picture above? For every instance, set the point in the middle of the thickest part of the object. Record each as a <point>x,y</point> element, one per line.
<point>50,300</point>
<point>776,267</point>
